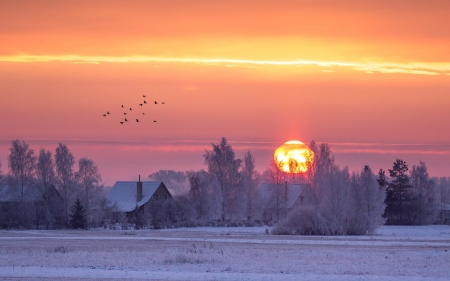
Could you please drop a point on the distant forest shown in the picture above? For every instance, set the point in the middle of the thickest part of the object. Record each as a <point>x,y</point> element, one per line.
<point>51,190</point>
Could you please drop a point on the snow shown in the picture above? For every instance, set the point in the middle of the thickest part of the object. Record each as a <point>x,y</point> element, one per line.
<point>222,253</point>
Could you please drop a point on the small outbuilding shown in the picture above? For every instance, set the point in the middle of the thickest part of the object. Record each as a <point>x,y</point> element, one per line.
<point>31,207</point>
<point>275,201</point>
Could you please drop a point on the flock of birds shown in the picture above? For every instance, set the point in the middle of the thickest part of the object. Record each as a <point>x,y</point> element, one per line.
<point>127,112</point>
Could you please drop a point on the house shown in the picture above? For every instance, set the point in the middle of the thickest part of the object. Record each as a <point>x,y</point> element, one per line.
<point>127,195</point>
<point>275,201</point>
<point>34,206</point>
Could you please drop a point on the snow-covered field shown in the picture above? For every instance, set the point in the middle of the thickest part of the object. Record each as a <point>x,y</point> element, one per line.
<point>204,253</point>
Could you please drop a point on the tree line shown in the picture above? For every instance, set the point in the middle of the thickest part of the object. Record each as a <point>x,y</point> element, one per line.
<point>29,187</point>
<point>229,191</point>
<point>334,200</point>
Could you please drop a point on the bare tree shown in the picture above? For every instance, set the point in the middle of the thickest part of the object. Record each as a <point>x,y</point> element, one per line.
<point>65,160</point>
<point>277,179</point>
<point>45,168</point>
<point>223,166</point>
<point>22,163</point>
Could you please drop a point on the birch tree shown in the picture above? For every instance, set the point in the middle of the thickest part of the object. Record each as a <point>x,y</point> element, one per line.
<point>250,180</point>
<point>89,180</point>
<point>45,168</point>
<point>199,193</point>
<point>223,166</point>
<point>366,203</point>
<point>425,197</point>
<point>22,163</point>
<point>64,161</point>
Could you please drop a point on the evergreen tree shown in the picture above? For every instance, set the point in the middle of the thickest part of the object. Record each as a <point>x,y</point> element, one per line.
<point>78,217</point>
<point>398,195</point>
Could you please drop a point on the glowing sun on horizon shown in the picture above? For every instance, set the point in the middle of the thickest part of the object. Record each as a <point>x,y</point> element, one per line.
<point>294,157</point>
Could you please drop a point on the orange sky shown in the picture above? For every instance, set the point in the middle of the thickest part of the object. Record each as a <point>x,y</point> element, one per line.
<point>372,78</point>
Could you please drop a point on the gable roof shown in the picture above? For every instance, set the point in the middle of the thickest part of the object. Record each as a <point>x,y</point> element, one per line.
<point>294,190</point>
<point>124,193</point>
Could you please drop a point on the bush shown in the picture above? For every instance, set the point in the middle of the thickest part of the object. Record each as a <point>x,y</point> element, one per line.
<point>302,221</point>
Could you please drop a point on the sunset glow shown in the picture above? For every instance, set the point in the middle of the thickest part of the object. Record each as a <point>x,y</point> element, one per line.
<point>255,72</point>
<point>294,157</point>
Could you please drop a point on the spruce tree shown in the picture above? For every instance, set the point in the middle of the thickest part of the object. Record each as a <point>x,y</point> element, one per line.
<point>78,217</point>
<point>398,195</point>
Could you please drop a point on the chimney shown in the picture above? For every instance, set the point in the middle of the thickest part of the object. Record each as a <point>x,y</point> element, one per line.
<point>139,190</point>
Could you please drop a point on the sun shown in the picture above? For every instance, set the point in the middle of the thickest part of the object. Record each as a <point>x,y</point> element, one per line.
<point>294,157</point>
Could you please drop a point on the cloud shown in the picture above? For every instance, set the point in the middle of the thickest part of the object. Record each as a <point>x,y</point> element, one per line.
<point>418,68</point>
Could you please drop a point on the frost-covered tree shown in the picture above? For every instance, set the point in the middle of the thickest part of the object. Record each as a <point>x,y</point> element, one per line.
<point>224,168</point>
<point>250,179</point>
<point>345,204</point>
<point>399,198</point>
<point>176,181</point>
<point>366,204</point>
<point>334,199</point>
<point>78,215</point>
<point>200,193</point>
<point>425,197</point>
<point>45,168</point>
<point>443,198</point>
<point>22,164</point>
<point>89,181</point>
<point>51,210</point>
<point>321,167</point>
<point>64,161</point>
<point>277,179</point>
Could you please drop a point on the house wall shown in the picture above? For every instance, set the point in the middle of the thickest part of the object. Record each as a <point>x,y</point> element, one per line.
<point>161,194</point>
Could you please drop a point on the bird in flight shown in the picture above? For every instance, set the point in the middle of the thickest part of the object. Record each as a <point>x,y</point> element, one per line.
<point>107,112</point>
<point>163,103</point>
<point>145,102</point>
<point>124,113</point>
<point>104,115</point>
<point>137,120</point>
<point>130,108</point>
<point>126,120</point>
<point>144,96</point>
<point>156,102</point>
<point>122,105</point>
<point>121,122</point>
<point>154,121</point>
<point>143,113</point>
<point>140,104</point>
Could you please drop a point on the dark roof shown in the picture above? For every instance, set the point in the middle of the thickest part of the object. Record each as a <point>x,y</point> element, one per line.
<point>32,193</point>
